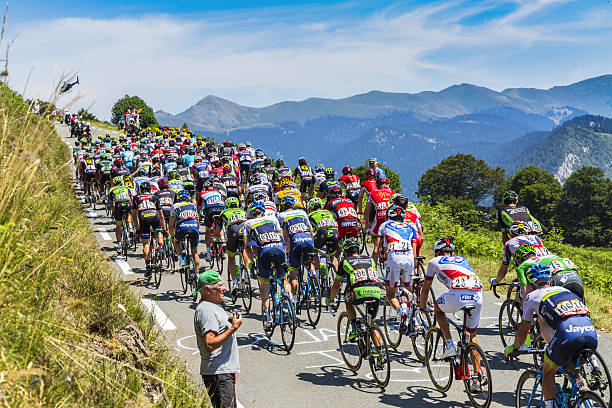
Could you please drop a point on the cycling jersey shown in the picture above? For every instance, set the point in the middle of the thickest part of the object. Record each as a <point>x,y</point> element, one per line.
<point>264,188</point>
<point>185,213</point>
<point>322,219</point>
<point>264,233</point>
<point>176,186</point>
<point>147,206</point>
<point>304,173</point>
<point>344,211</point>
<point>232,216</point>
<point>327,185</point>
<point>517,213</point>
<point>350,182</point>
<point>119,194</point>
<point>297,226</point>
<point>290,192</point>
<point>280,173</point>
<point>511,246</point>
<point>210,198</point>
<point>398,238</point>
<point>166,200</point>
<point>362,281</point>
<point>379,201</point>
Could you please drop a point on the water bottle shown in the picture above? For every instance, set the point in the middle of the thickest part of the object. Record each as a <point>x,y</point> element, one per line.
<point>237,272</point>
<point>277,298</point>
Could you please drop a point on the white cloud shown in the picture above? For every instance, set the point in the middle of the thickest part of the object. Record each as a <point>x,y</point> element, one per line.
<point>260,59</point>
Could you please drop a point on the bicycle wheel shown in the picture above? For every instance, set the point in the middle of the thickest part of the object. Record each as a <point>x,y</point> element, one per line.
<point>588,399</point>
<point>169,263</point>
<point>349,350</point>
<point>509,320</point>
<point>193,277</point>
<point>595,372</point>
<point>418,327</point>
<point>440,371</point>
<point>331,277</point>
<point>314,301</point>
<point>124,241</point>
<point>184,272</point>
<point>380,364</point>
<point>246,291</point>
<point>476,376</point>
<point>269,332</point>
<point>287,326</point>
<point>158,267</point>
<point>391,323</point>
<point>528,391</point>
<point>363,238</point>
<point>220,256</point>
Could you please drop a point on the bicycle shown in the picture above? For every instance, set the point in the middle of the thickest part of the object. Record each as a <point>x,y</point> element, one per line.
<point>414,323</point>
<point>244,288</point>
<point>283,314</point>
<point>364,238</point>
<point>217,249</point>
<point>364,347</point>
<point>327,271</point>
<point>156,259</point>
<point>530,395</point>
<point>128,241</point>
<point>309,291</point>
<point>470,365</point>
<point>189,274</point>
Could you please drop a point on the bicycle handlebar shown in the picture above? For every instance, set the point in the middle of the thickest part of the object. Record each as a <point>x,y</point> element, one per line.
<point>494,287</point>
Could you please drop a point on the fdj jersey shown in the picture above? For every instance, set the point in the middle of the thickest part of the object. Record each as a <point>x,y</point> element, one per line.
<point>455,272</point>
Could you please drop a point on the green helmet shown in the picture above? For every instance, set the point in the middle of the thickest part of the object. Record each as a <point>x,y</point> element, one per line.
<point>315,204</point>
<point>350,244</point>
<point>522,252</point>
<point>231,202</point>
<point>118,181</point>
<point>510,196</point>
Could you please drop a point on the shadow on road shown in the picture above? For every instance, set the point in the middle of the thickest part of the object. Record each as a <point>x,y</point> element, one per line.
<point>334,376</point>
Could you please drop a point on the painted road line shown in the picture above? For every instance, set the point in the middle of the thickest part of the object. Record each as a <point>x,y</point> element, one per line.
<point>125,267</point>
<point>91,214</point>
<point>105,235</point>
<point>160,317</point>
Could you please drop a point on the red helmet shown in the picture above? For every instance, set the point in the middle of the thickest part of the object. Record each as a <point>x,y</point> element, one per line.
<point>162,182</point>
<point>370,174</point>
<point>227,143</point>
<point>347,170</point>
<point>118,162</point>
<point>382,181</point>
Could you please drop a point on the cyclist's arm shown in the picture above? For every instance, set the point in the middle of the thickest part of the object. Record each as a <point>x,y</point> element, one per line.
<point>425,292</point>
<point>414,251</point>
<point>367,211</point>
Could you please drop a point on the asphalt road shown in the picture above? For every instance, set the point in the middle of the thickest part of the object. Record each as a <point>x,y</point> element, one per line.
<point>313,373</point>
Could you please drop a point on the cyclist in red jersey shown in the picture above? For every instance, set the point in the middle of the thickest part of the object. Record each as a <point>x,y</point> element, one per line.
<point>351,184</point>
<point>366,188</point>
<point>377,205</point>
<point>344,212</point>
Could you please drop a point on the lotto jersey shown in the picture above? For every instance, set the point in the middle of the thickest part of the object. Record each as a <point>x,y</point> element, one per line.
<point>455,272</point>
<point>397,236</point>
<point>554,304</point>
<point>513,244</point>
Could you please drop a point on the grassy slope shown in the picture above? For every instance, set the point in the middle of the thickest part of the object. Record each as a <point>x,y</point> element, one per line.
<point>64,341</point>
<point>483,248</point>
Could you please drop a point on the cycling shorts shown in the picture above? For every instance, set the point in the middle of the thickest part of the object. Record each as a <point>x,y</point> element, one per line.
<point>121,208</point>
<point>269,259</point>
<point>454,300</point>
<point>209,213</point>
<point>148,221</point>
<point>233,192</point>
<point>353,195</point>
<point>104,178</point>
<point>191,231</point>
<point>572,335</point>
<point>328,237</point>
<point>90,175</point>
<point>298,251</point>
<point>570,281</point>
<point>363,294</point>
<point>305,185</point>
<point>245,167</point>
<point>234,237</point>
<point>399,265</point>
<point>348,226</point>
<point>376,225</point>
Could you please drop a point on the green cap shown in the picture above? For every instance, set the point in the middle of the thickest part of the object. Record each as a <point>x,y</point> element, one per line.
<point>206,278</point>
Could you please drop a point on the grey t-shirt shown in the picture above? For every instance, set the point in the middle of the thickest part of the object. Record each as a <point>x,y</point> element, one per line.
<point>210,317</point>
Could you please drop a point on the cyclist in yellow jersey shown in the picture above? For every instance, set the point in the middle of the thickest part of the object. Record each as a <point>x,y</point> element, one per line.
<point>287,189</point>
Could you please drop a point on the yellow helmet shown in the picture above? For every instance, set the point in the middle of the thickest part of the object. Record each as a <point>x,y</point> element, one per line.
<point>285,182</point>
<point>99,136</point>
<point>107,133</point>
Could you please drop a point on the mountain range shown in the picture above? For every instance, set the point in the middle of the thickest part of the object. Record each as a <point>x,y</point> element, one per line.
<point>409,132</point>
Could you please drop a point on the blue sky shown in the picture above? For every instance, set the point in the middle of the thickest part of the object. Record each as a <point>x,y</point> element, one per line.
<point>260,52</point>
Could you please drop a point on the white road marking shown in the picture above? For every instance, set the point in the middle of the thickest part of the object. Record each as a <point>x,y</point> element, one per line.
<point>125,267</point>
<point>239,405</point>
<point>160,317</point>
<point>498,303</point>
<point>105,235</point>
<point>91,214</point>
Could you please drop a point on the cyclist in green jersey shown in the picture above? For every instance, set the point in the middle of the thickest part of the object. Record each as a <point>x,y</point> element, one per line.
<point>325,229</point>
<point>232,218</point>
<point>120,202</point>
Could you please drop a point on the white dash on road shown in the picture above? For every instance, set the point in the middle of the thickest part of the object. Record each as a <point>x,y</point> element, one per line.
<point>105,235</point>
<point>91,214</point>
<point>160,317</point>
<point>125,267</point>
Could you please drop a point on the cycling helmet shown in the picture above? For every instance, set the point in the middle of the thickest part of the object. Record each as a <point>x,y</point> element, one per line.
<point>257,207</point>
<point>350,244</point>
<point>334,192</point>
<point>510,196</point>
<point>302,161</point>
<point>287,202</point>
<point>118,162</point>
<point>162,182</point>
<point>184,195</point>
<point>267,161</point>
<point>207,183</point>
<point>381,181</point>
<point>444,243</point>
<point>248,144</point>
<point>347,170</point>
<point>400,200</point>
<point>329,173</point>
<point>260,196</point>
<point>173,174</point>
<point>197,159</point>
<point>227,169</point>
<point>319,168</point>
<point>259,154</point>
<point>280,163</point>
<point>77,143</point>
<point>522,252</point>
<point>142,171</point>
<point>254,179</point>
<point>285,182</point>
<point>396,213</point>
<point>315,204</point>
<point>117,181</point>
<point>370,174</point>
<point>156,171</point>
<point>518,228</point>
<point>231,202</point>
<point>144,187</point>
<point>227,143</point>
<point>537,272</point>
<point>372,160</point>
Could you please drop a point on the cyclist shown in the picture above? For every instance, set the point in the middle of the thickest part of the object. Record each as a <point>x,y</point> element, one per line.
<point>120,200</point>
<point>287,189</point>
<point>280,172</point>
<point>398,241</point>
<point>325,230</point>
<point>511,212</point>
<point>351,184</point>
<point>330,181</point>
<point>367,186</point>
<point>297,232</point>
<point>166,197</point>
<point>376,207</point>
<point>210,205</point>
<point>245,156</point>
<point>412,217</point>
<point>344,212</point>
<point>564,322</point>
<point>373,165</point>
<point>88,170</point>
<point>149,218</point>
<point>231,182</point>
<point>464,289</point>
<point>362,284</point>
<point>268,168</point>
<point>232,218</point>
<point>103,173</point>
<point>306,176</point>
<point>264,233</point>
<point>257,185</point>
<point>319,174</point>
<point>184,222</point>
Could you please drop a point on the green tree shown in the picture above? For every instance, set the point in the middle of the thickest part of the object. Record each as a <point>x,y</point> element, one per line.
<point>459,176</point>
<point>394,178</point>
<point>184,126</point>
<point>584,210</point>
<point>147,117</point>
<point>85,115</point>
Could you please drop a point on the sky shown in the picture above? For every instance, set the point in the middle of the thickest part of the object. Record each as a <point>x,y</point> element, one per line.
<point>257,53</point>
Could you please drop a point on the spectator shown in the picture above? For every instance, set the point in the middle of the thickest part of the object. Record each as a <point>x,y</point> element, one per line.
<point>373,164</point>
<point>216,340</point>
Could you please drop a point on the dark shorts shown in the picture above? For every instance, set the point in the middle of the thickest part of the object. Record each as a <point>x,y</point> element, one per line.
<point>221,390</point>
<point>570,281</point>
<point>190,231</point>
<point>90,175</point>
<point>234,236</point>
<point>120,209</point>
<point>269,259</point>
<point>244,167</point>
<point>298,251</point>
<point>572,335</point>
<point>105,178</point>
<point>148,222</point>
<point>305,185</point>
<point>372,303</point>
<point>348,226</point>
<point>353,195</point>
<point>209,213</point>
<point>233,192</point>
<point>327,237</point>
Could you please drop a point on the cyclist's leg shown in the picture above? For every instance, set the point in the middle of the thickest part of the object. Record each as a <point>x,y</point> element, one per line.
<point>392,276</point>
<point>372,312</point>
<point>295,260</point>
<point>263,277</point>
<point>446,303</point>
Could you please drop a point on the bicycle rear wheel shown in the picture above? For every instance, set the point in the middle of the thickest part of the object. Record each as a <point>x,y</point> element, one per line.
<point>287,323</point>
<point>510,315</point>
<point>528,391</point>
<point>124,240</point>
<point>418,327</point>
<point>363,239</point>
<point>331,277</point>
<point>314,301</point>
<point>476,376</point>
<point>588,399</point>
<point>595,372</point>
<point>349,350</point>
<point>245,288</point>
<point>194,276</point>
<point>269,332</point>
<point>220,256</point>
<point>380,365</point>
<point>158,267</point>
<point>391,323</point>
<point>440,371</point>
